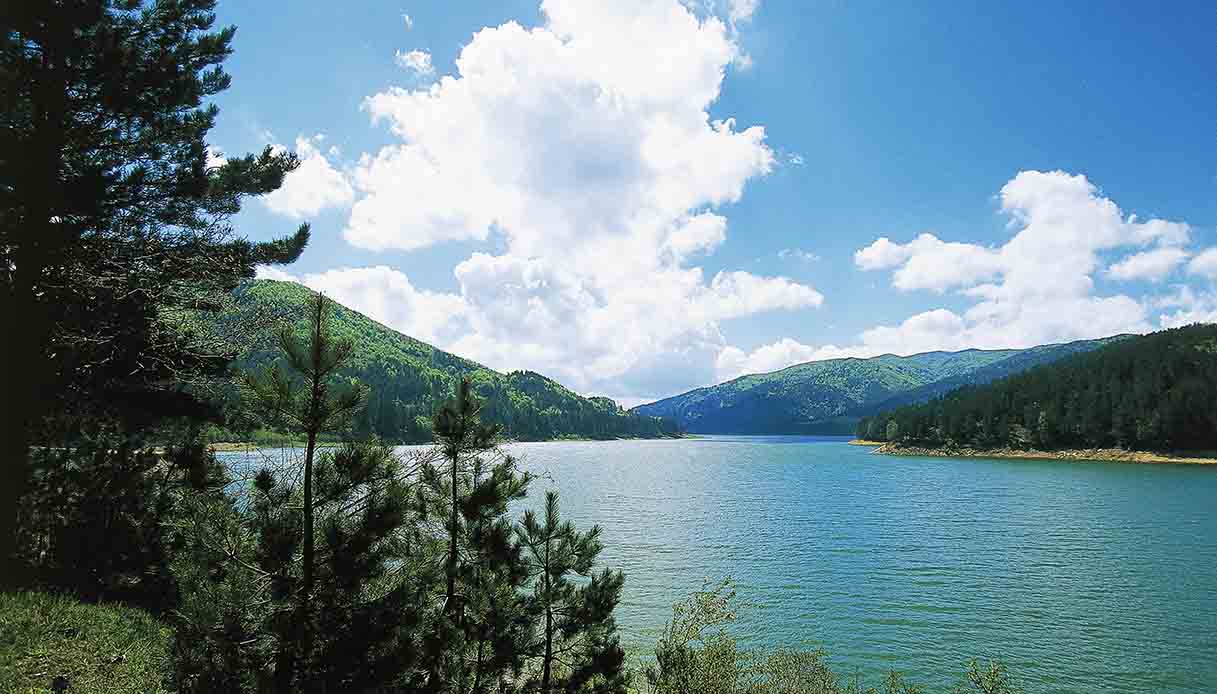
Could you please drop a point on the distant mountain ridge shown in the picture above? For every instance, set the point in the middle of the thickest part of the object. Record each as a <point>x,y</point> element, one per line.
<point>830,396</point>
<point>409,378</point>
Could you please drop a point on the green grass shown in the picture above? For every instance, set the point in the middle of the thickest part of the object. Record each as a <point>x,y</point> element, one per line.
<point>94,648</point>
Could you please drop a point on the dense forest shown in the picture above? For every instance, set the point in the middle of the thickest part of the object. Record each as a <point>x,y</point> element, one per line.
<point>1154,392</point>
<point>408,379</point>
<point>829,396</point>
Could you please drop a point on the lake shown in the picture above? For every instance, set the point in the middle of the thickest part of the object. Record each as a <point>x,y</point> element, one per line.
<point>1082,577</point>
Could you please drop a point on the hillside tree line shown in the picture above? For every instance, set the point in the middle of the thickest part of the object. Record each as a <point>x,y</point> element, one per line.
<point>1155,392</point>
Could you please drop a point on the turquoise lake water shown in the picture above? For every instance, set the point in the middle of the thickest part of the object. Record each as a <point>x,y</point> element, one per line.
<point>1082,577</point>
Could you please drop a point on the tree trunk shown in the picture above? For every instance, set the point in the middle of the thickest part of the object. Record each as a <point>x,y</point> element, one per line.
<point>477,675</point>
<point>477,580</point>
<point>307,590</point>
<point>304,623</point>
<point>15,449</point>
<point>549,624</point>
<point>27,367</point>
<point>285,656</point>
<point>451,597</point>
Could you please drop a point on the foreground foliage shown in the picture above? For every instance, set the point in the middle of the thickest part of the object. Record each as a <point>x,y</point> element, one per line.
<point>49,641</point>
<point>114,220</point>
<point>1154,392</point>
<point>696,653</point>
<point>382,573</point>
<point>93,519</point>
<point>245,622</point>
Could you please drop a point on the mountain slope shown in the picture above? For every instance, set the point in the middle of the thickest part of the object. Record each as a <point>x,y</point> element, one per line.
<point>1151,392</point>
<point>830,396</point>
<point>410,378</point>
<point>1019,361</point>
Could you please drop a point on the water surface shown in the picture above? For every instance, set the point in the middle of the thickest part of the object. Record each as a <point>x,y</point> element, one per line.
<point>1083,577</point>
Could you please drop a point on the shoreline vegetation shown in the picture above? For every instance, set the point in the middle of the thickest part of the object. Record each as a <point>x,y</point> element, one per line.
<point>1114,455</point>
<point>230,446</point>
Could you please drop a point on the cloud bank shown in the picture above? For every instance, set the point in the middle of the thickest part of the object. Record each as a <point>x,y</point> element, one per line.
<point>582,151</point>
<point>1039,286</point>
<point>583,147</point>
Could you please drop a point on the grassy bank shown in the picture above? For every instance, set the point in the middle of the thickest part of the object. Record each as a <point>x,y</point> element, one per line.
<point>55,643</point>
<point>1118,455</point>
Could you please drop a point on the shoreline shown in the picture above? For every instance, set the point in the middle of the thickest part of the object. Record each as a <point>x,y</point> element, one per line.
<point>230,446</point>
<point>1113,455</point>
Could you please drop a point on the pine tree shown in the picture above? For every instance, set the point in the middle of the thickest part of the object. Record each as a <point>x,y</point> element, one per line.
<point>577,645</point>
<point>1150,392</point>
<point>474,643</point>
<point>93,518</point>
<point>317,586</point>
<point>310,401</point>
<point>114,224</point>
<point>239,627</point>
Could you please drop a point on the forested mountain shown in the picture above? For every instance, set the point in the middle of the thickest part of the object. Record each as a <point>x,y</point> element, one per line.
<point>1017,362</point>
<point>828,397</point>
<point>1155,392</point>
<point>409,379</point>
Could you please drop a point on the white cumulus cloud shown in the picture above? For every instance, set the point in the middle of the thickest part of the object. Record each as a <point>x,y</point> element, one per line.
<point>415,61</point>
<point>584,149</point>
<point>1189,307</point>
<point>928,263</point>
<point>699,234</point>
<point>1036,288</point>
<point>1204,264</point>
<point>314,186</point>
<point>742,10</point>
<point>215,158</point>
<point>1152,265</point>
<point>733,361</point>
<point>387,296</point>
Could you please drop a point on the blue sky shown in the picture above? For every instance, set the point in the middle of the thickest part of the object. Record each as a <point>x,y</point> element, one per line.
<point>883,177</point>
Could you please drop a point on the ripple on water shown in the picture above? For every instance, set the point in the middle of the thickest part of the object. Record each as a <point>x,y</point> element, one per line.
<point>1082,577</point>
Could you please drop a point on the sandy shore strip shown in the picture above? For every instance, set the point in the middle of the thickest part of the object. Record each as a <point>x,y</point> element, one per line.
<point>1080,454</point>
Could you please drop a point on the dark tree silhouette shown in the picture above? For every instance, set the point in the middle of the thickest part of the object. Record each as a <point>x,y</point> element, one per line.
<point>310,400</point>
<point>114,219</point>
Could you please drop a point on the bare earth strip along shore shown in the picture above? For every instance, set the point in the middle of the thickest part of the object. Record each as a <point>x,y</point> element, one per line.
<point>1081,454</point>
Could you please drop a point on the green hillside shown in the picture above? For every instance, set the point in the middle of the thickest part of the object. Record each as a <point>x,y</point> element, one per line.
<point>409,378</point>
<point>823,397</point>
<point>1019,361</point>
<point>1153,392</point>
